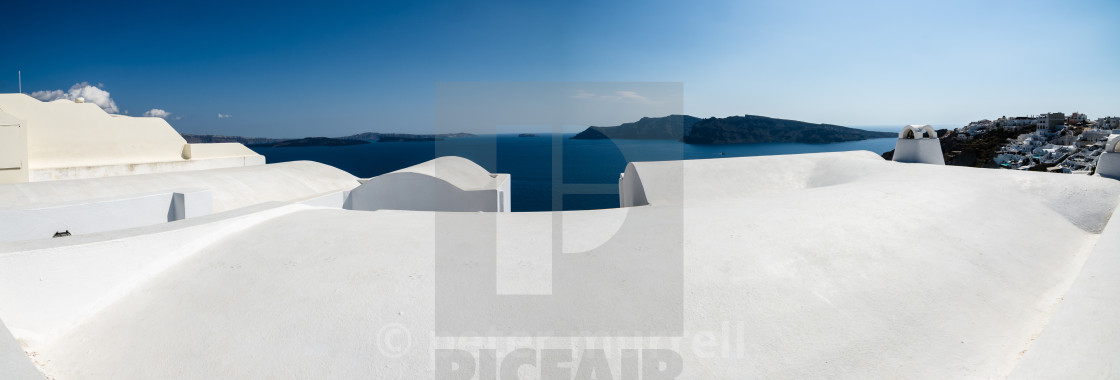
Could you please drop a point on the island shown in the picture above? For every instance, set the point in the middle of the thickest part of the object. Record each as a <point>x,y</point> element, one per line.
<point>407,139</point>
<point>729,130</point>
<point>211,139</point>
<point>527,135</point>
<point>378,136</point>
<point>310,141</point>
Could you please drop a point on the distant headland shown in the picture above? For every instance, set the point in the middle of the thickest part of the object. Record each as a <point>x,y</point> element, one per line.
<point>406,139</point>
<point>729,130</point>
<point>377,136</point>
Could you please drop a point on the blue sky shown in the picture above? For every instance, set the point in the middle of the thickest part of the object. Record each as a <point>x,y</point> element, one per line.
<point>300,69</point>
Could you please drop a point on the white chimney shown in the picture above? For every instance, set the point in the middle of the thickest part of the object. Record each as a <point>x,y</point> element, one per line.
<point>918,144</point>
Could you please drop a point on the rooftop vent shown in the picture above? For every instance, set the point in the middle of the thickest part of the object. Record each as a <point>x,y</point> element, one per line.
<point>918,144</point>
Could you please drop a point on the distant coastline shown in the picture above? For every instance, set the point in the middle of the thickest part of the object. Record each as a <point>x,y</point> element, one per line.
<point>406,139</point>
<point>377,136</point>
<point>684,128</point>
<point>310,141</point>
<point>211,139</point>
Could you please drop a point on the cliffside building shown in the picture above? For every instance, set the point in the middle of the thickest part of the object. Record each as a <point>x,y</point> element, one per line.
<point>1051,121</point>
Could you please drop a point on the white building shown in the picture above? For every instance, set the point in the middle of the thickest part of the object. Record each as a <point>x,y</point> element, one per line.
<point>1096,135</point>
<point>1077,118</point>
<point>1066,139</point>
<point>1009,159</point>
<point>1108,123</point>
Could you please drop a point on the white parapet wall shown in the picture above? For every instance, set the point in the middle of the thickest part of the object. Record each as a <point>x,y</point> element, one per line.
<point>67,140</point>
<point>92,216</point>
<point>918,144</point>
<point>38,210</point>
<point>442,184</point>
<point>232,188</point>
<point>216,150</point>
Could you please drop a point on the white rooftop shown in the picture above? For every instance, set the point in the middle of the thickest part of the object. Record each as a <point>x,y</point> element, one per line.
<point>835,265</point>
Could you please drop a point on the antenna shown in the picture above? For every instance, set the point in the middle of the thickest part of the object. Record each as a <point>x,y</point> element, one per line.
<point>20,73</point>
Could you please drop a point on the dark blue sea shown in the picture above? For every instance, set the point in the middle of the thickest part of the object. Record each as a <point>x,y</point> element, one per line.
<point>529,160</point>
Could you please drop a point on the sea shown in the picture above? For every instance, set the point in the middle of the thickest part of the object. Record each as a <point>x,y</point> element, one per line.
<point>532,161</point>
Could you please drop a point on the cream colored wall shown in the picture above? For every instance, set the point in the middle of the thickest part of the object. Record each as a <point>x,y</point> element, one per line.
<point>69,134</point>
<point>13,149</point>
<point>68,140</point>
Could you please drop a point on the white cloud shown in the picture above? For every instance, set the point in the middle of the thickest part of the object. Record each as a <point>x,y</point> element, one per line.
<point>223,116</point>
<point>618,96</point>
<point>156,112</point>
<point>91,94</point>
<point>631,95</point>
<point>581,94</point>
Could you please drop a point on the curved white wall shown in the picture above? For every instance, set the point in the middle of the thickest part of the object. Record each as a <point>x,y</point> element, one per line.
<point>630,190</point>
<point>458,171</point>
<point>443,184</point>
<point>118,213</point>
<point>1108,164</point>
<point>719,179</point>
